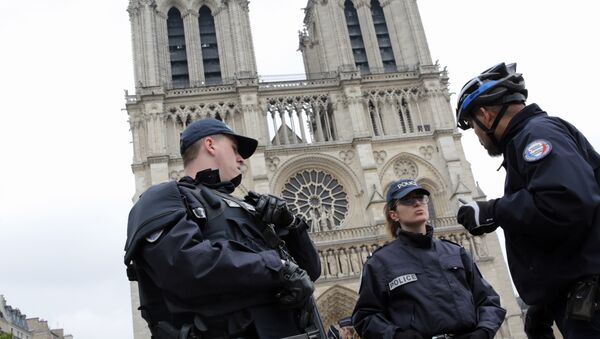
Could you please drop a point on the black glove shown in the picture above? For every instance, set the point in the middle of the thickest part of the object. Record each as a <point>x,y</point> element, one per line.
<point>270,209</point>
<point>408,334</point>
<point>479,333</point>
<point>477,216</point>
<point>297,286</point>
<point>538,322</point>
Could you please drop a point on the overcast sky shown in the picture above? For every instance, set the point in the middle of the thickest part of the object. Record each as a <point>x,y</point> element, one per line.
<point>65,176</point>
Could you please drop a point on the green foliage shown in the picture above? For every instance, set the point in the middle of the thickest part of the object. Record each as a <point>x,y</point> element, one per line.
<point>5,335</point>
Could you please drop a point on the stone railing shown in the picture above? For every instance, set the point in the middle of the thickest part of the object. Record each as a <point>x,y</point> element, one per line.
<point>200,90</point>
<point>347,234</point>
<point>443,222</point>
<point>343,252</point>
<point>297,84</point>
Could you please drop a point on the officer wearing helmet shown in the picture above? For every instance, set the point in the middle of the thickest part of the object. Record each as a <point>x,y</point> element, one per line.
<point>212,266</point>
<point>419,287</point>
<point>550,211</point>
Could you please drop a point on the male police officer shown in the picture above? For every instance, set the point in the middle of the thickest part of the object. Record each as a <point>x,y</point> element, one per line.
<point>210,265</point>
<point>551,203</point>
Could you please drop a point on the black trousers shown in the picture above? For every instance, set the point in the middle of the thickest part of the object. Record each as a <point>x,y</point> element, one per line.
<point>571,328</point>
<point>271,322</point>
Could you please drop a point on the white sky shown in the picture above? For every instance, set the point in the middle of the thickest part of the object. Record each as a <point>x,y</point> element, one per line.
<point>65,177</point>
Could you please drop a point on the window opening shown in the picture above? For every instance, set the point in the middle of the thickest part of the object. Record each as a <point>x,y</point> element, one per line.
<point>177,50</point>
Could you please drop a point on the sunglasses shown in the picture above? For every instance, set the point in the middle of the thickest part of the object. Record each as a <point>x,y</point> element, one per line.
<point>411,201</point>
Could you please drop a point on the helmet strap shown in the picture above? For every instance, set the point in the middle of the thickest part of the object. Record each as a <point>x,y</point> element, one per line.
<point>491,131</point>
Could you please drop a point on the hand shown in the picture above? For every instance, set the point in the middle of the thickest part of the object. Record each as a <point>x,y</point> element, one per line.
<point>538,322</point>
<point>297,286</point>
<point>477,216</point>
<point>270,209</point>
<point>479,333</point>
<point>408,334</point>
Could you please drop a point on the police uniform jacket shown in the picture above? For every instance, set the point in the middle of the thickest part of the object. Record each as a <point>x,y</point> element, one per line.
<point>214,274</point>
<point>549,211</point>
<point>427,285</point>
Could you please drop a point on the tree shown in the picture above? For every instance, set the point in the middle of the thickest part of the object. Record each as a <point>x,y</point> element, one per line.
<point>4,335</point>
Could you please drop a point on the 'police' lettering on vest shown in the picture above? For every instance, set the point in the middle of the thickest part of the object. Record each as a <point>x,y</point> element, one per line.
<point>401,280</point>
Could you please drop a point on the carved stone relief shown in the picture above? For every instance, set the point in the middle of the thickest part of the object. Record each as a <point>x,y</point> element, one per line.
<point>347,156</point>
<point>426,151</point>
<point>379,156</point>
<point>405,169</point>
<point>272,163</point>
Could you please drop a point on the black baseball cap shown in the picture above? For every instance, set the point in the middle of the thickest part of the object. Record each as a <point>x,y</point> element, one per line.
<point>210,126</point>
<point>399,189</point>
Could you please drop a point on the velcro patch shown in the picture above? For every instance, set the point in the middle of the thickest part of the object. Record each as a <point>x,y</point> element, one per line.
<point>537,150</point>
<point>401,280</point>
<point>154,236</point>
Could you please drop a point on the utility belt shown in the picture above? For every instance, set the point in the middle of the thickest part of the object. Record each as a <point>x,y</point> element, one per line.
<point>199,330</point>
<point>583,299</point>
<point>195,330</point>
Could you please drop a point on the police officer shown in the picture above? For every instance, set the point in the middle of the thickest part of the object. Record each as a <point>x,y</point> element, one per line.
<point>419,287</point>
<point>210,265</point>
<point>550,208</point>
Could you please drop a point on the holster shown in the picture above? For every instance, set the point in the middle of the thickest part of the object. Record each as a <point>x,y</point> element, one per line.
<point>583,299</point>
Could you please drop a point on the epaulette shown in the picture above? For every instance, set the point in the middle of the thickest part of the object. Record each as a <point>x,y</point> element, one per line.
<point>377,249</point>
<point>451,242</point>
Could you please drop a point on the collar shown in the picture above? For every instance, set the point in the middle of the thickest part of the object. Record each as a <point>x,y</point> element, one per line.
<point>518,121</point>
<point>417,239</point>
<point>210,178</point>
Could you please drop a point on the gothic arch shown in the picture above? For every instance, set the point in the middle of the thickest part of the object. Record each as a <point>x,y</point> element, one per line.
<point>431,179</point>
<point>163,7</point>
<point>335,303</point>
<point>335,167</point>
<point>437,181</point>
<point>317,161</point>
<point>213,5</point>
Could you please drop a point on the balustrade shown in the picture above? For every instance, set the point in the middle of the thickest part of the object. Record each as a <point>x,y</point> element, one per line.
<point>343,252</point>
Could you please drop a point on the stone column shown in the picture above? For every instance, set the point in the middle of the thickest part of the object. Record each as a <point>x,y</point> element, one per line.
<point>418,33</point>
<point>371,184</point>
<point>162,36</point>
<point>141,15</point>
<point>244,58</point>
<point>394,21</point>
<point>225,42</point>
<point>193,49</point>
<point>369,36</point>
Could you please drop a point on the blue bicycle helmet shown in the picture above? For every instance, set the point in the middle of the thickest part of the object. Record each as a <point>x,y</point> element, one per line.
<point>498,85</point>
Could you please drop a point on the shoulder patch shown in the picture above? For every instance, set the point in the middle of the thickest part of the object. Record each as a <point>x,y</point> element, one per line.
<point>536,150</point>
<point>402,280</point>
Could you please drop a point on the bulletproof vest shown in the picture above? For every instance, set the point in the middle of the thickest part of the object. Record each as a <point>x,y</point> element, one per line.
<point>219,217</point>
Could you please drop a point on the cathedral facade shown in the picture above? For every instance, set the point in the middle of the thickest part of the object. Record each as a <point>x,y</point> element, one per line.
<point>372,108</point>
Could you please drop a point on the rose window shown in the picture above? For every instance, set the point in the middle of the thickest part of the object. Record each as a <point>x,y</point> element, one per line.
<point>318,198</point>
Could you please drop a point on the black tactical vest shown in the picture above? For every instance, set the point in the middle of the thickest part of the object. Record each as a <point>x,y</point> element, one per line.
<point>219,217</point>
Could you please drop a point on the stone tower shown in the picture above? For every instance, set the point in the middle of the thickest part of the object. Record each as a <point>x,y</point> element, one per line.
<point>373,108</point>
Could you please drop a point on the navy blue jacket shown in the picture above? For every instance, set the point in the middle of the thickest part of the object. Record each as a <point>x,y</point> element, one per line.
<point>427,285</point>
<point>549,211</point>
<point>205,276</point>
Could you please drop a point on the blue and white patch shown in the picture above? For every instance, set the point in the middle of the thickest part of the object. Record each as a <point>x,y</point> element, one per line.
<point>537,150</point>
<point>401,280</point>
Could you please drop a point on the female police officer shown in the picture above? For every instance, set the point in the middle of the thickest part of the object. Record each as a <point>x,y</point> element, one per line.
<point>420,287</point>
